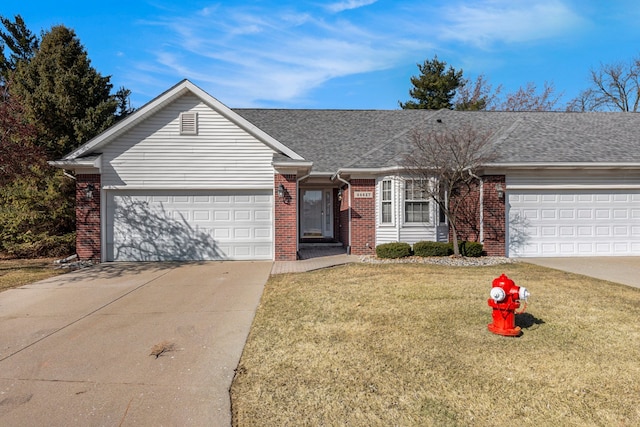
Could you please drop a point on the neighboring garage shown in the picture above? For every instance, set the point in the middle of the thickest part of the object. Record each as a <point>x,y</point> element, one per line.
<point>189,225</point>
<point>564,223</point>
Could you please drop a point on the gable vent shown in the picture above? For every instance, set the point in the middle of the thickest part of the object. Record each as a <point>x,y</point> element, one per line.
<point>188,123</point>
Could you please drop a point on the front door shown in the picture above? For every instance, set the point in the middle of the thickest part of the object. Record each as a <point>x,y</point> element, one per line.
<point>317,218</point>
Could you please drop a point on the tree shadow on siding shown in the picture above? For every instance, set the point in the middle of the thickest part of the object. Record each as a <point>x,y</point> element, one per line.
<point>518,236</point>
<point>149,233</point>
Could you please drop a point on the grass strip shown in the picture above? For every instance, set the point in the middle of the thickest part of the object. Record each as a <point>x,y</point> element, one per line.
<point>408,345</point>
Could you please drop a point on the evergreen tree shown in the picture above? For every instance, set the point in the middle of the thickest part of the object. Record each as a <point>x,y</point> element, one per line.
<point>435,87</point>
<point>17,43</point>
<point>51,101</point>
<point>63,95</point>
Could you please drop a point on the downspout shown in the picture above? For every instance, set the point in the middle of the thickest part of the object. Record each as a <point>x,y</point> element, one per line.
<point>298,210</point>
<point>337,175</point>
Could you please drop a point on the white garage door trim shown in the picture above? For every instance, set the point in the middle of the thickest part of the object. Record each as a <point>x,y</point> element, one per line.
<point>563,223</point>
<point>162,225</point>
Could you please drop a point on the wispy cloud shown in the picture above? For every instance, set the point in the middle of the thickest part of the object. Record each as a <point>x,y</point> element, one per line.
<point>260,54</point>
<point>278,56</point>
<point>348,5</point>
<point>488,22</point>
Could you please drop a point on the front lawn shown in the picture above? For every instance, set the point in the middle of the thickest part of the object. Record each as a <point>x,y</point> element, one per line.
<point>407,345</point>
<point>19,272</point>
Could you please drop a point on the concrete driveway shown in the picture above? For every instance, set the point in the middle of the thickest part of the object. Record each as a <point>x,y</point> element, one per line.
<point>77,349</point>
<point>625,270</point>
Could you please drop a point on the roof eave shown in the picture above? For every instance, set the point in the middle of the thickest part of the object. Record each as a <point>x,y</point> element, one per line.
<point>365,172</point>
<point>85,164</point>
<point>294,167</point>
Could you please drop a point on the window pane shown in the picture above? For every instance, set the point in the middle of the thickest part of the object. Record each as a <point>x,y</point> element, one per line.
<point>416,206</point>
<point>386,212</point>
<point>417,212</point>
<point>415,190</point>
<point>386,190</point>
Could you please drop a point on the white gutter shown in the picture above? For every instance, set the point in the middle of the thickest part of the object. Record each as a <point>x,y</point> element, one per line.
<point>612,186</point>
<point>374,171</point>
<point>576,165</point>
<point>337,176</point>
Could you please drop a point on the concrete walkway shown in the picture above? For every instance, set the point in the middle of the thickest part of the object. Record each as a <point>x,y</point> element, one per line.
<point>127,344</point>
<point>625,270</point>
<point>301,266</point>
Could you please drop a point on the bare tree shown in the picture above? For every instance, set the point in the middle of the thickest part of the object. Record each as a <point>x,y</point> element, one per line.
<point>614,87</point>
<point>446,161</point>
<point>480,95</point>
<point>528,99</point>
<point>477,95</point>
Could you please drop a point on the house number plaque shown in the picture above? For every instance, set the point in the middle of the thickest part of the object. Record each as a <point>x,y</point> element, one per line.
<point>363,194</point>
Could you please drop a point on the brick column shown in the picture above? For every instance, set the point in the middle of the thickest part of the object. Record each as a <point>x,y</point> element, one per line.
<point>495,215</point>
<point>363,218</point>
<point>285,218</point>
<point>88,217</point>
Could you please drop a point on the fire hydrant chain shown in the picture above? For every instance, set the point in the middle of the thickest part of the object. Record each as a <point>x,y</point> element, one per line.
<point>505,298</point>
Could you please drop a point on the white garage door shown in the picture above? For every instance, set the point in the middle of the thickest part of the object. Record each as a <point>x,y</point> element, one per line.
<point>189,225</point>
<point>573,223</point>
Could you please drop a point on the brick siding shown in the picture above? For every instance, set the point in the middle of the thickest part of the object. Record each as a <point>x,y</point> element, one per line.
<point>495,216</point>
<point>285,219</point>
<point>468,216</point>
<point>88,218</point>
<point>363,218</point>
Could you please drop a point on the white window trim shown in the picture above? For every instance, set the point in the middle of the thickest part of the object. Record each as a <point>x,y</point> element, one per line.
<point>391,222</point>
<point>426,200</point>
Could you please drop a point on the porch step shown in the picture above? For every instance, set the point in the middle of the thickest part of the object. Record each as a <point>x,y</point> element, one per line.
<point>318,251</point>
<point>319,245</point>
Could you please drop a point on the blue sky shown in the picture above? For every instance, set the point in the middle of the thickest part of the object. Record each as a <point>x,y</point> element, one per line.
<point>345,54</point>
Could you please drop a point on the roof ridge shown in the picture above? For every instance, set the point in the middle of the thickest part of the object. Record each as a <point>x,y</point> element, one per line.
<point>502,136</point>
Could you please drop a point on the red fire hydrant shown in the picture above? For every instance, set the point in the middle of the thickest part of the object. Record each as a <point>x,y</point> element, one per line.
<point>505,299</point>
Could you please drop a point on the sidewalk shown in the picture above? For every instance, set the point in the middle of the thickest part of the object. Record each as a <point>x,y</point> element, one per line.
<point>281,267</point>
<point>315,258</point>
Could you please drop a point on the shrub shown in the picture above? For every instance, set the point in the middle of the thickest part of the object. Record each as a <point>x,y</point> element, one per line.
<point>432,249</point>
<point>37,214</point>
<point>471,249</point>
<point>42,245</point>
<point>393,250</point>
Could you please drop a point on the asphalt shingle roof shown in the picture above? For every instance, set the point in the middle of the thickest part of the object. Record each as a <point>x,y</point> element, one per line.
<point>334,139</point>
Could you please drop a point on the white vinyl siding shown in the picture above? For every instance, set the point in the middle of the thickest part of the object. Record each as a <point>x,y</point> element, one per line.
<point>155,155</point>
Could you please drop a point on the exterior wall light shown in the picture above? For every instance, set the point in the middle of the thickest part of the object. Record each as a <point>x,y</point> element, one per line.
<point>88,191</point>
<point>281,191</point>
<point>340,194</point>
<point>500,191</point>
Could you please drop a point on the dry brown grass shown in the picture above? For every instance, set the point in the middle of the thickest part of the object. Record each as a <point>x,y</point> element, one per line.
<point>407,345</point>
<point>19,272</point>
